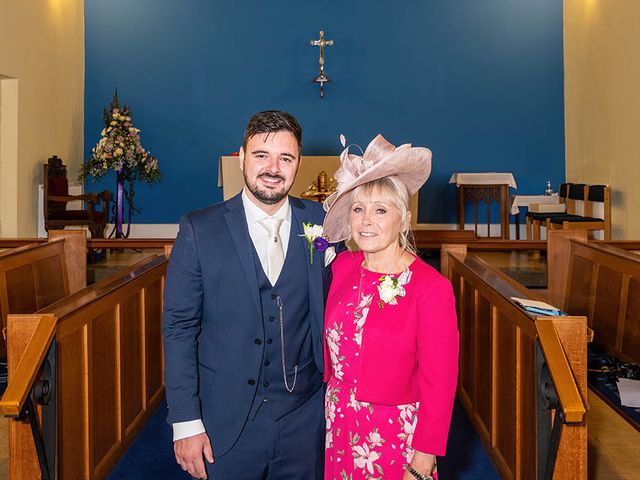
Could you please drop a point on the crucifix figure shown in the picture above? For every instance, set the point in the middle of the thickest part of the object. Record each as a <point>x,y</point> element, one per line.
<point>322,78</point>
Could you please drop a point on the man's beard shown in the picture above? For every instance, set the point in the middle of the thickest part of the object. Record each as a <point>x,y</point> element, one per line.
<point>268,197</point>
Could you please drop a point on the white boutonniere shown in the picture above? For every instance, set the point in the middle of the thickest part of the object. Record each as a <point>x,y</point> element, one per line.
<point>390,288</point>
<point>314,235</point>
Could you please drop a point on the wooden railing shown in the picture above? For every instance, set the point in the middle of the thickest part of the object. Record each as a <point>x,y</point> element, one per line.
<point>569,395</point>
<point>498,382</point>
<point>425,239</point>
<point>109,371</point>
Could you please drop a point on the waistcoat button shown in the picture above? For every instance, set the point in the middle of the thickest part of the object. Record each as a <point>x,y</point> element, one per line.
<point>258,341</point>
<point>251,381</point>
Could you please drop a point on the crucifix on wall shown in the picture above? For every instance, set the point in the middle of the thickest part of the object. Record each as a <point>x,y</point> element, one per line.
<point>322,78</point>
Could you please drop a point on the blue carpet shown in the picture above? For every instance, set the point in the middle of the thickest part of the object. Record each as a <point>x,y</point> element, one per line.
<point>604,371</point>
<point>151,454</point>
<point>466,457</point>
<point>3,377</point>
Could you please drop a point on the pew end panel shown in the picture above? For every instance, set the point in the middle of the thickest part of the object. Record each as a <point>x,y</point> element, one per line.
<point>558,255</point>
<point>75,253</point>
<point>31,277</point>
<point>498,369</point>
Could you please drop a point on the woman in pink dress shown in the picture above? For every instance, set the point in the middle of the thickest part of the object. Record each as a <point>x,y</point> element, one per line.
<point>391,350</point>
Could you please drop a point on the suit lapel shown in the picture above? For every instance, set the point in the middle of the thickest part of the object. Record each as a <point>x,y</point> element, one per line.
<point>298,219</point>
<point>237,223</point>
<point>314,278</point>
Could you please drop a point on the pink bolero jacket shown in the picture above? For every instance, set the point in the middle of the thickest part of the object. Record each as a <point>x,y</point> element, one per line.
<point>409,351</point>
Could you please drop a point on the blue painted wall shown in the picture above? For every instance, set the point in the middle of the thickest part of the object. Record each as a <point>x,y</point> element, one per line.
<point>478,82</point>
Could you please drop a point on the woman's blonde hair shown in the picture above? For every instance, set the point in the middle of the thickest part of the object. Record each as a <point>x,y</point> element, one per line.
<point>398,194</point>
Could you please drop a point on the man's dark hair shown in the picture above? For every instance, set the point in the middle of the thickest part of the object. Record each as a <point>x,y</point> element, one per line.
<point>272,121</point>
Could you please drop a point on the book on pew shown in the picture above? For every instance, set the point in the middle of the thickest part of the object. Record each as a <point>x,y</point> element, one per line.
<point>539,308</point>
<point>629,392</point>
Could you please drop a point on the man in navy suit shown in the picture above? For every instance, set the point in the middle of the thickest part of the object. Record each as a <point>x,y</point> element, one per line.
<point>243,323</point>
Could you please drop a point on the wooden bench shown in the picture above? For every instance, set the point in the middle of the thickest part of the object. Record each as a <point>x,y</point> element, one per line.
<point>109,372</point>
<point>601,282</point>
<point>498,381</point>
<point>37,275</point>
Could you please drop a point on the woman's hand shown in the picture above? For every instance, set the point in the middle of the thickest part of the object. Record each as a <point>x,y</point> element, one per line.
<point>422,463</point>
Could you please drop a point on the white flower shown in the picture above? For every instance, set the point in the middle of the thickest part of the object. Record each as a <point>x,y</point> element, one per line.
<point>330,413</point>
<point>365,301</point>
<point>391,288</point>
<point>363,457</point>
<point>312,231</point>
<point>405,277</point>
<point>118,151</point>
<point>337,371</point>
<point>375,439</point>
<point>333,341</point>
<point>362,318</point>
<point>353,403</point>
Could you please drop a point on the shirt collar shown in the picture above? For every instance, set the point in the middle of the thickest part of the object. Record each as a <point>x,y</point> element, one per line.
<point>254,213</point>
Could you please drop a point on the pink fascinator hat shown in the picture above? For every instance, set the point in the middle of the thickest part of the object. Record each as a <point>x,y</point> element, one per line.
<point>411,165</point>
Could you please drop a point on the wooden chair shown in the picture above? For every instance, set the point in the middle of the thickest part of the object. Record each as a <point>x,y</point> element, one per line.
<point>592,196</point>
<point>56,196</point>
<point>534,220</point>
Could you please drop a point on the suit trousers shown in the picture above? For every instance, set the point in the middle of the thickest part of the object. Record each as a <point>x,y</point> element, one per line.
<point>291,448</point>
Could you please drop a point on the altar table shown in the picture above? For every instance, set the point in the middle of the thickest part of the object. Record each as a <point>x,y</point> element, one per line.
<point>487,187</point>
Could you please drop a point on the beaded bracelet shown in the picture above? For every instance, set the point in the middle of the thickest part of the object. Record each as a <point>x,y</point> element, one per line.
<point>418,475</point>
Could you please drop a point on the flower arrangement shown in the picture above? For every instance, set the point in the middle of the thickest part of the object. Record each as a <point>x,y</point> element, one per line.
<point>120,150</point>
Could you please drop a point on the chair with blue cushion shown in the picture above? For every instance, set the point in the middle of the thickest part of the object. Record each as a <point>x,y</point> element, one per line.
<point>535,220</point>
<point>593,196</point>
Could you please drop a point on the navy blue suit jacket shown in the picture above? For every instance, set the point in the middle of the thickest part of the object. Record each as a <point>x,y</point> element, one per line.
<point>212,316</point>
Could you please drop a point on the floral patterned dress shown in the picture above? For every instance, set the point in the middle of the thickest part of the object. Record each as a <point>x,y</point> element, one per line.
<point>363,440</point>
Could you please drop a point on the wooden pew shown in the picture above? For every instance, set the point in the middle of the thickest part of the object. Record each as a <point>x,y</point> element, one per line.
<point>601,282</point>
<point>109,371</point>
<point>36,275</point>
<point>498,382</point>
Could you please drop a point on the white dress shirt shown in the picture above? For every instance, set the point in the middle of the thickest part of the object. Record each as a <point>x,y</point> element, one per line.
<point>259,239</point>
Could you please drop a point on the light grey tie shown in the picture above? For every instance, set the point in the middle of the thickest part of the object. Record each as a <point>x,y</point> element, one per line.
<point>275,252</point>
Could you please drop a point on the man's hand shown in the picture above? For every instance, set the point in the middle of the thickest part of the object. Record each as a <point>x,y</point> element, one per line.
<point>189,452</point>
<point>421,463</point>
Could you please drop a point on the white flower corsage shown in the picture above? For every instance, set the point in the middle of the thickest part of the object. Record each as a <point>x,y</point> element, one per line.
<point>314,235</point>
<point>391,288</point>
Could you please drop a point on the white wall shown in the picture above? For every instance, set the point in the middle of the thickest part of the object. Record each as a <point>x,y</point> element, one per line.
<point>42,58</point>
<point>602,103</point>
